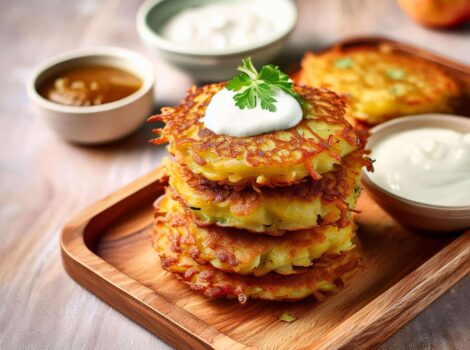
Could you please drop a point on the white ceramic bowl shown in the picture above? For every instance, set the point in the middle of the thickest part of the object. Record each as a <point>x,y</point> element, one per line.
<point>411,213</point>
<point>206,64</point>
<point>101,123</point>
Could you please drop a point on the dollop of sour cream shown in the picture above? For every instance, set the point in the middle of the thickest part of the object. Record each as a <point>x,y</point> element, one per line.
<point>224,118</point>
<point>223,25</point>
<point>427,165</point>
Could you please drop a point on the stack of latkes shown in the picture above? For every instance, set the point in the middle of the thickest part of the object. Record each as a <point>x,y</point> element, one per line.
<point>267,216</point>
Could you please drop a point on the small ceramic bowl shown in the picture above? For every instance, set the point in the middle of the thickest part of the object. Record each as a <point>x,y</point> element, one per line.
<point>202,63</point>
<point>100,123</point>
<point>410,213</point>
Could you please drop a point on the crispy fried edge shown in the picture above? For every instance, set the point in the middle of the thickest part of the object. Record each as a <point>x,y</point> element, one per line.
<point>334,190</point>
<point>327,106</point>
<point>205,279</point>
<point>220,243</point>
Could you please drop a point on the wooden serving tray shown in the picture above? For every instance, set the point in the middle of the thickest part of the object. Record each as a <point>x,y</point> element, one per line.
<point>107,249</point>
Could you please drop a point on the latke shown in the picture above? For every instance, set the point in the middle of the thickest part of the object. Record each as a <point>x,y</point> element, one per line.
<point>380,84</point>
<point>270,210</point>
<point>325,275</point>
<point>241,252</point>
<point>311,148</point>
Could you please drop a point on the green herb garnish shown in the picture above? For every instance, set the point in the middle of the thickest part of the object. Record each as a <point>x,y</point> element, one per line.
<point>259,87</point>
<point>343,63</point>
<point>395,74</point>
<point>287,317</point>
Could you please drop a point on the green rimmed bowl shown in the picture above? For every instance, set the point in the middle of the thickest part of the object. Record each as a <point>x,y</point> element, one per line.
<point>206,64</point>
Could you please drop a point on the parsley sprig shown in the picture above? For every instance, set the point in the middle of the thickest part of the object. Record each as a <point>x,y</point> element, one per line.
<point>259,87</point>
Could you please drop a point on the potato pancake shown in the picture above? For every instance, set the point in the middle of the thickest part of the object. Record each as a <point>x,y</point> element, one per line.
<point>380,84</point>
<point>326,274</point>
<point>241,252</point>
<point>270,210</point>
<point>280,158</point>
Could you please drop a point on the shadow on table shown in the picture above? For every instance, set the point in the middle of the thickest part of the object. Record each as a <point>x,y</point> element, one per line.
<point>138,140</point>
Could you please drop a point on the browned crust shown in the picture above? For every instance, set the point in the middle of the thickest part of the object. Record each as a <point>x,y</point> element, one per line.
<point>223,241</point>
<point>334,187</point>
<point>214,284</point>
<point>326,106</point>
<point>181,258</point>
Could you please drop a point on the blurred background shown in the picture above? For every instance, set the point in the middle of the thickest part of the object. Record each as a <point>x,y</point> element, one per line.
<point>44,180</point>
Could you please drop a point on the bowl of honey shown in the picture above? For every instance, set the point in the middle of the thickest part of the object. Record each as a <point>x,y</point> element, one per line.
<point>93,95</point>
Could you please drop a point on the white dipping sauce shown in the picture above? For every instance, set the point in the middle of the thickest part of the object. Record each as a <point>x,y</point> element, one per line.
<point>427,165</point>
<point>223,25</point>
<point>224,118</point>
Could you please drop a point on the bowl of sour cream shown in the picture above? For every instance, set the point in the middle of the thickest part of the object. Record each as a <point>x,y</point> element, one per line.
<point>422,171</point>
<point>208,38</point>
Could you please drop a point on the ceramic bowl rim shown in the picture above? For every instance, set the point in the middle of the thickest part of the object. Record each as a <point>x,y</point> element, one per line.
<point>152,37</point>
<point>115,53</point>
<point>417,120</point>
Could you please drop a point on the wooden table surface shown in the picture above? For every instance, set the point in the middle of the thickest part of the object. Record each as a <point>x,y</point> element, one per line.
<point>44,180</point>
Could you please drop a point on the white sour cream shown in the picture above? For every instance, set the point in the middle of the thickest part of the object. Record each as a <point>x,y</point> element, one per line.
<point>427,165</point>
<point>223,25</point>
<point>224,118</point>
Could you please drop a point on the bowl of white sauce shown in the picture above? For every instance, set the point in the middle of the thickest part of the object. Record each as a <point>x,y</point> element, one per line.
<point>208,38</point>
<point>422,171</point>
